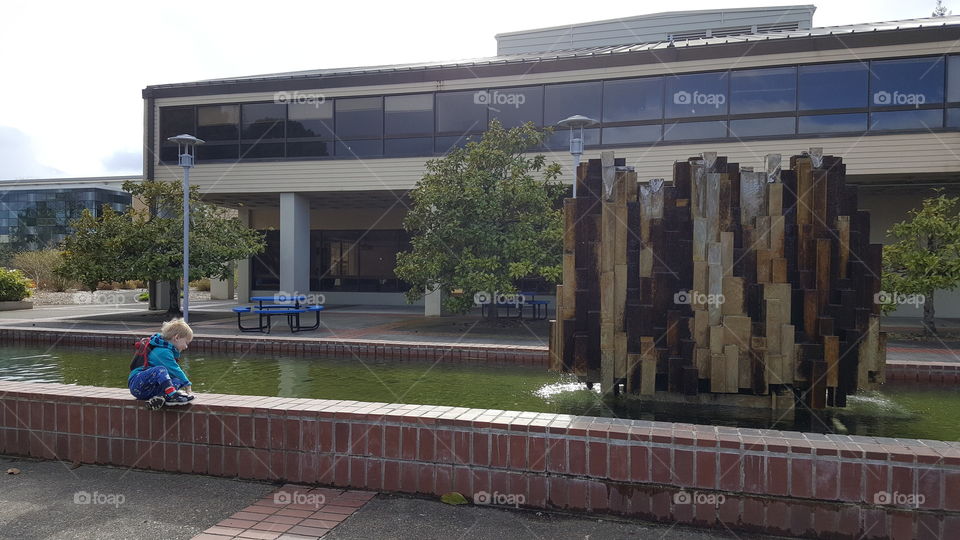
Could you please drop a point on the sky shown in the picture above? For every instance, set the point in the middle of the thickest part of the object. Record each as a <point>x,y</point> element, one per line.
<point>73,72</point>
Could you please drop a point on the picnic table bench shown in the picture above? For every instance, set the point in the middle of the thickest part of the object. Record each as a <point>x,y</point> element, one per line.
<point>290,307</point>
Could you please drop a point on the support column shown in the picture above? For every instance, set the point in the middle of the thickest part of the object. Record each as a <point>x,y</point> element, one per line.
<point>433,302</point>
<point>294,243</point>
<point>243,265</point>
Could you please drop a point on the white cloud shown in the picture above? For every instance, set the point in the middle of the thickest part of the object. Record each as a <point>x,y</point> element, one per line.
<point>17,159</point>
<point>124,162</point>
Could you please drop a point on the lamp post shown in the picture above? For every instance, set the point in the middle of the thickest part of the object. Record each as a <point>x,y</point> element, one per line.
<point>576,122</point>
<point>186,146</point>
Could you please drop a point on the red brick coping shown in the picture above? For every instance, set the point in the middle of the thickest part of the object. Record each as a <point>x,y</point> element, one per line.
<point>486,353</point>
<point>778,482</point>
<point>924,372</point>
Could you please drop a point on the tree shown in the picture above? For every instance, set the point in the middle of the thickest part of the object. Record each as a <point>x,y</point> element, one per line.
<point>484,216</point>
<point>926,255</point>
<point>146,242</point>
<point>940,10</point>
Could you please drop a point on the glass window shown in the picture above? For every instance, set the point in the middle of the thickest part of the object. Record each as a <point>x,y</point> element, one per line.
<point>176,121</point>
<point>442,145</point>
<point>703,94</point>
<point>560,139</point>
<point>265,267</point>
<point>359,117</point>
<point>263,120</point>
<point>953,117</point>
<point>360,149</point>
<point>408,115</point>
<point>565,100</point>
<point>763,127</point>
<point>833,86</point>
<point>309,149</point>
<point>420,146</point>
<point>694,130</point>
<point>461,112</point>
<point>310,120</point>
<point>911,81</point>
<point>514,106</point>
<point>833,123</point>
<point>261,150</point>
<point>218,122</point>
<point>763,90</point>
<point>633,100</point>
<point>953,78</point>
<point>923,119</point>
<point>218,151</point>
<point>631,134</point>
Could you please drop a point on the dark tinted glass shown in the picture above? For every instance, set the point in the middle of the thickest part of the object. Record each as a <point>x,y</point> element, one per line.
<point>923,119</point>
<point>702,94</point>
<point>408,115</point>
<point>420,146</point>
<point>218,122</point>
<point>694,130</point>
<point>218,151</point>
<point>762,127</point>
<point>168,153</point>
<point>261,150</point>
<point>176,121</point>
<point>359,117</point>
<point>514,106</point>
<point>631,134</point>
<point>442,145</point>
<point>912,81</point>
<point>953,117</point>
<point>310,120</point>
<point>833,123</point>
<point>263,120</point>
<point>265,267</point>
<point>309,149</point>
<point>565,100</point>
<point>633,100</point>
<point>560,139</point>
<point>362,148</point>
<point>461,112</point>
<point>763,90</point>
<point>832,86</point>
<point>953,78</point>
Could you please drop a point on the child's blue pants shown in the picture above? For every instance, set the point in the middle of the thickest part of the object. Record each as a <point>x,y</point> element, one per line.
<point>152,382</point>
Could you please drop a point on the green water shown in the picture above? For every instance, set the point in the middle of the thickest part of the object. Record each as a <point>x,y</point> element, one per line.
<point>896,411</point>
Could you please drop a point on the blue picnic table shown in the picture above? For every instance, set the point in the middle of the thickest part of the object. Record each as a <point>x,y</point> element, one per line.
<point>289,306</point>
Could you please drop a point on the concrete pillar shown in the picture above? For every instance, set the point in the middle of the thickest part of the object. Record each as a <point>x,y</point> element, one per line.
<point>433,303</point>
<point>159,295</point>
<point>294,243</point>
<point>221,289</point>
<point>243,265</point>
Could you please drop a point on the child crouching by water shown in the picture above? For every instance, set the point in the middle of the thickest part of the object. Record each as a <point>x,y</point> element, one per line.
<point>158,379</point>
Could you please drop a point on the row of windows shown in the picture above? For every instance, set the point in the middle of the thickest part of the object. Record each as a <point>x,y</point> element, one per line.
<point>896,94</point>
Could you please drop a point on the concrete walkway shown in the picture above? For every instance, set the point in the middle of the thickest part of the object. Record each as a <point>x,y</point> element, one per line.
<point>51,500</point>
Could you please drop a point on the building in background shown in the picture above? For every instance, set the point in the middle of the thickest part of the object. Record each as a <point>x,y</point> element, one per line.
<point>36,214</point>
<point>323,159</point>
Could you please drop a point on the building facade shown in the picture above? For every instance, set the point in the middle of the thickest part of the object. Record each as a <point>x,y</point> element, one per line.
<point>36,214</point>
<point>322,160</point>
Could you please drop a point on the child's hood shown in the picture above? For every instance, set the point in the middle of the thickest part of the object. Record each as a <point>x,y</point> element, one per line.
<point>157,341</point>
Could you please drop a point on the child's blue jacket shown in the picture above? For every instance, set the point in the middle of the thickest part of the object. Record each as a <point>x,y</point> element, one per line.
<point>163,354</point>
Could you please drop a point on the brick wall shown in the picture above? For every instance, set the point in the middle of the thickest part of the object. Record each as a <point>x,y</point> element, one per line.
<point>797,484</point>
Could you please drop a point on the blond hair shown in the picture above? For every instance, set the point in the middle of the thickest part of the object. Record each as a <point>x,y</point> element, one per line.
<point>174,328</point>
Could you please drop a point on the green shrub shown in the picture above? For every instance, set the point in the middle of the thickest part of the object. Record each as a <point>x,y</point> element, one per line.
<point>201,284</point>
<point>13,285</point>
<point>39,266</point>
<point>143,297</point>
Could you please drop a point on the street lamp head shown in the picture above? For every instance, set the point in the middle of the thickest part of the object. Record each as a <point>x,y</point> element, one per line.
<point>577,121</point>
<point>185,148</point>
